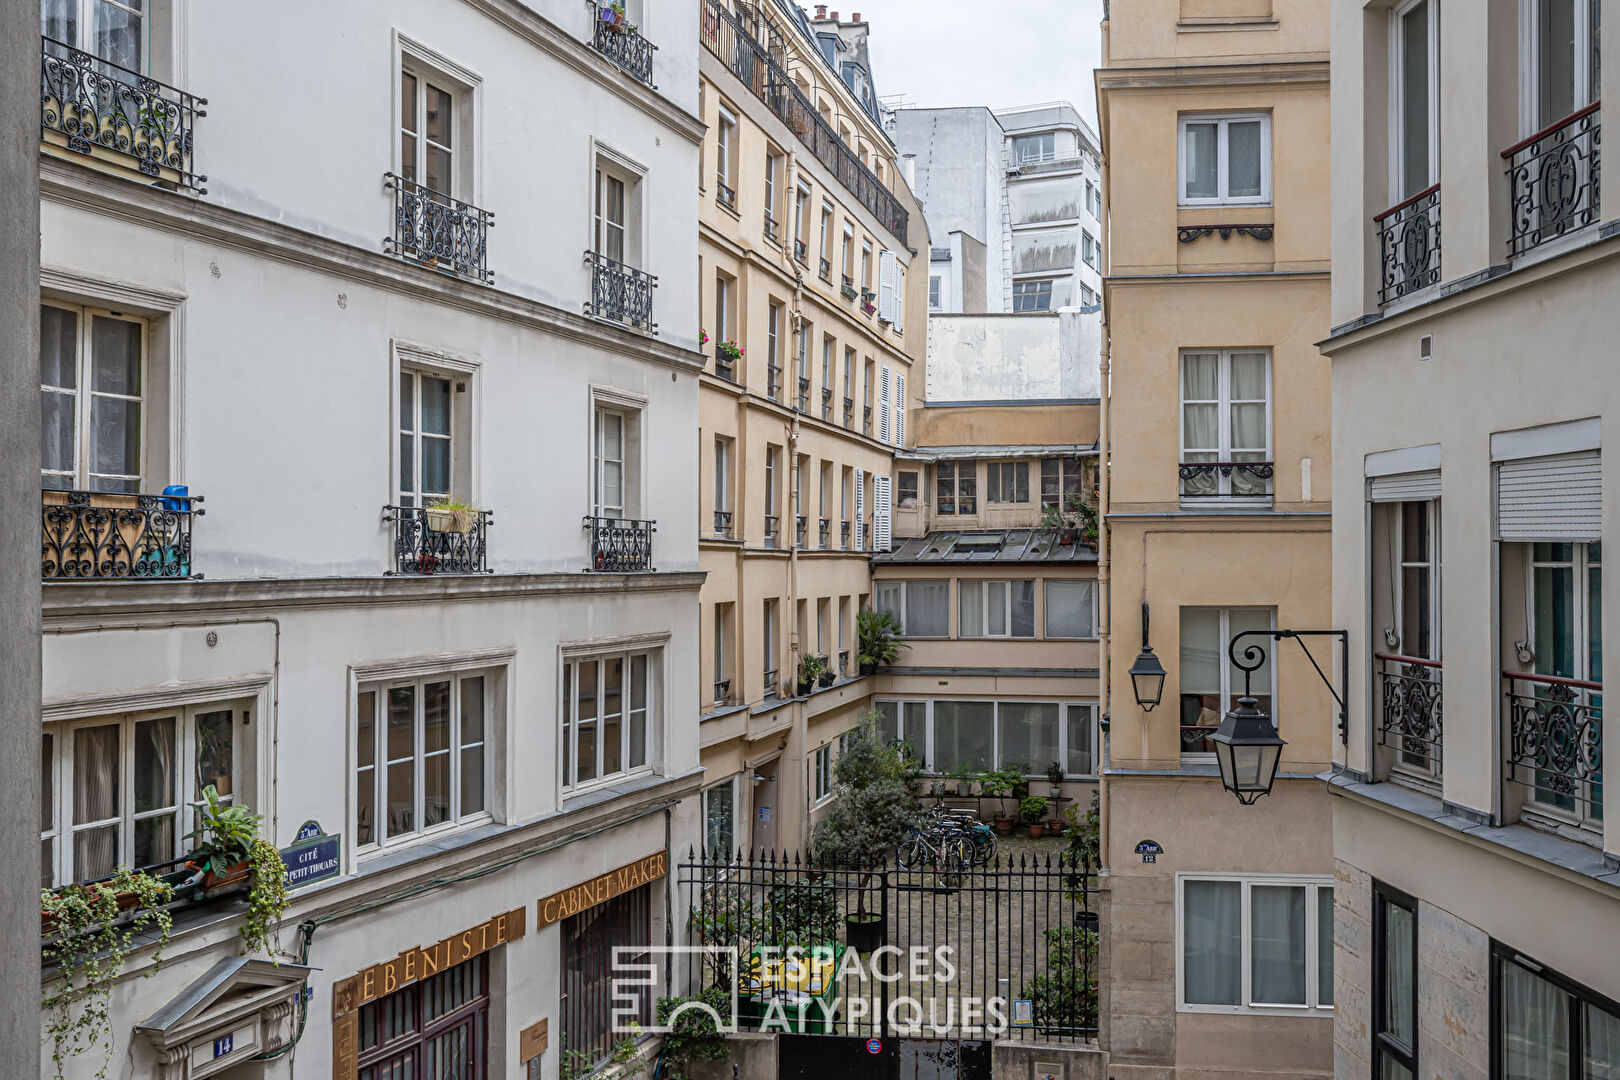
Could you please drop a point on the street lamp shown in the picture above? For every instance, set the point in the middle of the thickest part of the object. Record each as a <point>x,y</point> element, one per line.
<point>1147,674</point>
<point>1247,748</point>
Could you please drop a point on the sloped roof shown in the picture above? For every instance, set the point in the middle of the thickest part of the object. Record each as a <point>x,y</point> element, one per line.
<point>986,546</point>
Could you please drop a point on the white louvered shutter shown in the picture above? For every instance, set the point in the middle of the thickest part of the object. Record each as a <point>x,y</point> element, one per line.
<point>899,296</point>
<point>1550,498</point>
<point>883,405</point>
<point>880,518</point>
<point>1405,487</point>
<point>887,264</point>
<point>899,410</point>
<point>860,510</point>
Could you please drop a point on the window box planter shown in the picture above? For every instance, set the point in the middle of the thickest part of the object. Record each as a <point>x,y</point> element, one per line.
<point>444,519</point>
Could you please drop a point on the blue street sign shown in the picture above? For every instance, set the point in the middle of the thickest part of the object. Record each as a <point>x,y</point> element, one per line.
<point>313,856</point>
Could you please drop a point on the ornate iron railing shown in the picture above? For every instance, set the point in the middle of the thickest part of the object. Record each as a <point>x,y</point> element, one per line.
<point>726,196</point>
<point>843,535</point>
<point>824,531</point>
<point>1410,724</point>
<point>103,536</point>
<point>1553,181</point>
<point>421,549</point>
<point>722,691</point>
<point>866,418</point>
<point>620,545</point>
<point>801,530</point>
<point>722,523</point>
<point>773,381</point>
<point>826,270</point>
<point>1211,479</point>
<point>849,412</point>
<point>773,530</point>
<point>92,106</point>
<point>437,231</point>
<point>771,688</point>
<point>826,402</point>
<point>770,228</point>
<point>801,254</point>
<point>625,47</point>
<point>1555,741</point>
<point>1409,245</point>
<point>804,394</point>
<point>621,293</point>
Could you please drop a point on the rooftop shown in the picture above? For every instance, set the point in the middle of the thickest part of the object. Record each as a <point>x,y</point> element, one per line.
<point>986,546</point>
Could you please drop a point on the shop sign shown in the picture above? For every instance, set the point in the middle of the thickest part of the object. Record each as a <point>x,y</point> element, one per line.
<point>599,890</point>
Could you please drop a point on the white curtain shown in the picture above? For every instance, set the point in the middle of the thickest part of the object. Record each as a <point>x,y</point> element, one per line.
<point>963,735</point>
<point>928,608</point>
<point>1602,1044</point>
<point>1243,159</point>
<point>1079,733</point>
<point>95,798</point>
<point>1212,942</point>
<point>1535,1027</point>
<point>1399,975</point>
<point>1200,417</point>
<point>1069,608</point>
<point>970,609</point>
<point>1023,608</point>
<point>1199,154</point>
<point>1029,735</point>
<point>1277,944</point>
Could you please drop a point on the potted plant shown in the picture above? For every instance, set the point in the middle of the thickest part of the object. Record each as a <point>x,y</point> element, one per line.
<point>703,337</point>
<point>1033,811</point>
<point>1054,776</point>
<point>1074,519</point>
<point>964,778</point>
<point>879,639</point>
<point>829,674</point>
<point>936,788</point>
<point>449,516</point>
<point>1020,779</point>
<point>729,351</point>
<point>613,18</point>
<point>231,856</point>
<point>810,669</point>
<point>998,784</point>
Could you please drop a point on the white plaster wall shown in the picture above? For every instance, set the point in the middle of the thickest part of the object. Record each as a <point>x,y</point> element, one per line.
<point>1012,357</point>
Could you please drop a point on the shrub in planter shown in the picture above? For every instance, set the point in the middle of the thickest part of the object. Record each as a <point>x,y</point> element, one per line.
<point>447,516</point>
<point>811,668</point>
<point>999,784</point>
<point>729,351</point>
<point>691,1034</point>
<point>231,855</point>
<point>1032,810</point>
<point>879,639</point>
<point>1065,997</point>
<point>829,674</point>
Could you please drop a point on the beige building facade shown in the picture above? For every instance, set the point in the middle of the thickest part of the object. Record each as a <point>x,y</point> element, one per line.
<point>1217,917</point>
<point>1477,875</point>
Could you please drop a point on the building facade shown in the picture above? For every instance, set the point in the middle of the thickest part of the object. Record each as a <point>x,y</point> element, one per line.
<point>372,515</point>
<point>1217,917</point>
<point>814,318</point>
<point>1476,871</point>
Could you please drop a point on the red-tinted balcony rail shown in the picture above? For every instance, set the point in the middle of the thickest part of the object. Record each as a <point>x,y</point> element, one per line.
<point>1553,181</point>
<point>1555,741</point>
<point>1409,245</point>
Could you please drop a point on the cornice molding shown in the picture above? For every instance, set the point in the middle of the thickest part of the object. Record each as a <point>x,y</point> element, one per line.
<point>1240,73</point>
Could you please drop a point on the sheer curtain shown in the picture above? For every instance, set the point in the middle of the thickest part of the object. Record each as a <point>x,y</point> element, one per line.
<point>1399,975</point>
<point>1200,417</point>
<point>95,798</point>
<point>1277,944</point>
<point>1602,1044</point>
<point>964,735</point>
<point>928,606</point>
<point>1248,420</point>
<point>1068,609</point>
<point>1243,166</point>
<point>1535,1026</point>
<point>1029,735</point>
<point>1212,941</point>
<point>1023,608</point>
<point>970,609</point>
<point>1202,167</point>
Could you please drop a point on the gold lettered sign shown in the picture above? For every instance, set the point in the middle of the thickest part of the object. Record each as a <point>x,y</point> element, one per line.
<point>599,890</point>
<point>533,1040</point>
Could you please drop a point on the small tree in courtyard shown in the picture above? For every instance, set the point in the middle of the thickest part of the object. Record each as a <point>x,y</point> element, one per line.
<point>872,808</point>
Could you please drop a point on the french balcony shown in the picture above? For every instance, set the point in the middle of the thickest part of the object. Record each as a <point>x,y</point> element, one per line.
<point>726,196</point>
<point>429,541</point>
<point>826,270</point>
<point>801,253</point>
<point>866,419</point>
<point>773,381</point>
<point>104,536</point>
<point>1553,181</point>
<point>772,689</point>
<point>824,532</point>
<point>618,40</point>
<point>93,107</point>
<point>804,395</point>
<point>621,545</point>
<point>826,402</point>
<point>439,232</point>
<point>722,524</point>
<point>1226,479</point>
<point>801,531</point>
<point>621,293</point>
<point>849,413</point>
<point>770,229</point>
<point>1555,742</point>
<point>1409,245</point>
<point>722,691</point>
<point>773,530</point>
<point>843,535</point>
<point>1410,724</point>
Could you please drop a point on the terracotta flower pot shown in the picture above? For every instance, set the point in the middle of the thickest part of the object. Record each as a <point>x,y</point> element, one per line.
<point>1004,825</point>
<point>1036,830</point>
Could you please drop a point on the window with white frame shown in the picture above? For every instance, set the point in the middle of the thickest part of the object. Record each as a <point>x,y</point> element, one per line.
<point>423,760</point>
<point>1006,482</point>
<point>824,772</point>
<point>768,638</point>
<point>1090,250</point>
<point>1225,160</point>
<point>722,309</point>
<point>1226,423</point>
<point>1093,201</point>
<point>1415,111</point>
<point>431,134</point>
<point>113,30</point>
<point>922,606</point>
<point>722,486</point>
<point>826,236</point>
<point>720,819</point>
<point>1087,297</point>
<point>725,157</point>
<point>956,487</point>
<point>114,789</point>
<point>801,221</point>
<point>614,212</point>
<point>426,437</point>
<point>1032,296</point>
<point>92,385</point>
<point>1210,684</point>
<point>1262,943</point>
<point>1415,554</point>
<point>615,459</point>
<point>947,734</point>
<point>933,292</point>
<point>1063,480</point>
<point>1071,608</point>
<point>1559,60</point>
<point>1034,149</point>
<point>608,711</point>
<point>995,609</point>
<point>773,185</point>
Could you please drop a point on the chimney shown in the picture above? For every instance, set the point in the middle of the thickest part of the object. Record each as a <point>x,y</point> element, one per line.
<point>856,17</point>
<point>835,16</point>
<point>821,11</point>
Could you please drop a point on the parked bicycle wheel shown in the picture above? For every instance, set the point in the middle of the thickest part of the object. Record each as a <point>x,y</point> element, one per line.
<point>952,861</point>
<point>913,853</point>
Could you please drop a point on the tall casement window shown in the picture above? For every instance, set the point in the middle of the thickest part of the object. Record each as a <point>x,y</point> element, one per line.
<point>114,789</point>
<point>1547,1026</point>
<point>773,351</point>
<point>92,380</point>
<point>1006,482</point>
<point>722,308</point>
<point>426,437</point>
<point>720,819</point>
<point>724,634</point>
<point>722,486</point>
<point>949,734</point>
<point>801,223</point>
<point>1415,133</point>
<point>1063,479</point>
<point>826,239</point>
<point>1071,609</point>
<point>1090,250</point>
<point>848,260</point>
<point>428,140</point>
<point>1560,60</point>
<point>768,630</point>
<point>1416,578</point>
<point>773,188</point>
<point>611,216</point>
<point>113,30</point>
<point>1255,944</point>
<point>1395,985</point>
<point>1225,159</point>
<point>1566,638</point>
<point>1093,201</point>
<point>933,292</point>
<point>995,609</point>
<point>923,607</point>
<point>609,467</point>
<point>956,487</point>
<point>773,495</point>
<point>1210,685</point>
<point>607,710</point>
<point>1226,423</point>
<point>824,772</point>
<point>725,158</point>
<point>423,756</point>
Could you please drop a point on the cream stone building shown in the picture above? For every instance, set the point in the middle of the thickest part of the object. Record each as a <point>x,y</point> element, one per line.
<point>1217,917</point>
<point>1477,872</point>
<point>815,326</point>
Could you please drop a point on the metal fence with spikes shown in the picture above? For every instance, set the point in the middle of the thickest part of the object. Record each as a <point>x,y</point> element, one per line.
<point>887,951</point>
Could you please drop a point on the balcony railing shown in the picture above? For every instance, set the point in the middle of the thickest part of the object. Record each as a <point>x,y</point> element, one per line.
<point>1555,741</point>
<point>620,545</point>
<point>804,394</point>
<point>773,381</point>
<point>1230,479</point>
<point>824,530</point>
<point>866,418</point>
<point>849,412</point>
<point>1410,726</point>
<point>826,270</point>
<point>722,524</point>
<point>773,530</point>
<point>826,402</point>
<point>771,688</point>
<point>102,536</point>
<point>801,531</point>
<point>437,231</point>
<point>843,535</point>
<point>801,254</point>
<point>770,229</point>
<point>722,691</point>
<point>621,293</point>
<point>425,543</point>
<point>624,46</point>
<point>1409,245</point>
<point>1553,181</point>
<point>726,196</point>
<point>93,107</point>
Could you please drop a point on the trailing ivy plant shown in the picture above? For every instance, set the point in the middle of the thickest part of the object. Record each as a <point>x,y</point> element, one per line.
<point>694,1036</point>
<point>268,897</point>
<point>88,946</point>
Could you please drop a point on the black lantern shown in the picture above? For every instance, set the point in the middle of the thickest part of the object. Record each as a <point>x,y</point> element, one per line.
<point>1147,674</point>
<point>1247,747</point>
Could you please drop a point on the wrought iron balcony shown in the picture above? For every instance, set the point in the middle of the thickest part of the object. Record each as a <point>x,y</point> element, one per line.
<point>770,228</point>
<point>619,42</point>
<point>771,688</point>
<point>843,535</point>
<point>725,195</point>
<point>1229,479</point>
<point>801,531</point>
<point>826,402</point>
<point>826,270</point>
<point>1409,245</point>
<point>849,412</point>
<point>437,231</point>
<point>94,107</point>
<point>722,524</point>
<point>804,394</point>
<point>1553,181</point>
<point>621,293</point>
<point>104,536</point>
<point>722,691</point>
<point>1410,725</point>
<point>801,254</point>
<point>1555,741</point>
<point>773,381</point>
<point>620,545</point>
<point>773,530</point>
<point>824,531</point>
<point>426,543</point>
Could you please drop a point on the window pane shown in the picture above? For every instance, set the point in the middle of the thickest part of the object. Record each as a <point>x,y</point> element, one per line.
<point>1212,941</point>
<point>1079,735</point>
<point>118,34</point>
<point>719,820</point>
<point>115,348</point>
<point>1398,988</point>
<point>636,735</point>
<point>436,804</point>
<point>1201,651</point>
<point>1243,165</point>
<point>154,840</point>
<point>963,735</point>
<point>435,405</point>
<point>1414,77</point>
<point>401,742</point>
<point>927,608</point>
<point>1535,1026</point>
<point>1277,944</point>
<point>1602,1051</point>
<point>1028,733</point>
<point>95,774</point>
<point>1199,160</point>
<point>1248,376</point>
<point>970,609</point>
<point>914,727</point>
<point>115,436</point>
<point>407,102</point>
<point>366,777</point>
<point>612,715</point>
<point>215,754</point>
<point>58,347</point>
<point>588,704</point>
<point>1023,608</point>
<point>1069,607</point>
<point>435,466</point>
<point>1555,38</point>
<point>154,764</point>
<point>438,116</point>
<point>1324,945</point>
<point>58,431</point>
<point>47,795</point>
<point>996,606</point>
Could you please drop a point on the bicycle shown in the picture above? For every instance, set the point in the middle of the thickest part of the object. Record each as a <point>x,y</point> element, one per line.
<point>981,838</point>
<point>944,851</point>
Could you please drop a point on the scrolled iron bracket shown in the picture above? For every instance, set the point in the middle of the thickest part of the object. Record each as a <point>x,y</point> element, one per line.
<point>1254,656</point>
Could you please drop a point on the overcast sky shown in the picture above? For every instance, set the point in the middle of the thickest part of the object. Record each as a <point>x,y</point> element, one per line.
<point>982,52</point>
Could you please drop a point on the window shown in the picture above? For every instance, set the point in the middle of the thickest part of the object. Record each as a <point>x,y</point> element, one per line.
<point>1006,482</point>
<point>1080,740</point>
<point>589,1007</point>
<point>828,349</point>
<point>1032,296</point>
<point>423,761</point>
<point>426,438</point>
<point>1226,420</point>
<point>722,486</point>
<point>768,639</point>
<point>723,614</point>
<point>442,1018</point>
<point>826,240</point>
<point>1210,684</point>
<point>956,487</point>
<point>1395,984</point>
<point>948,734</point>
<point>611,216</point>
<point>1033,149</point>
<point>1062,481</point>
<point>1549,1026</point>
<point>114,788</point>
<point>722,311</point>
<point>773,351</point>
<point>933,292</point>
<point>720,820</point>
<point>824,772</point>
<point>1090,250</point>
<point>113,30</point>
<point>866,267</point>
<point>849,252</point>
<point>1561,60</point>
<point>923,607</point>
<point>92,375</point>
<point>1071,608</point>
<point>1088,298</point>
<point>1416,579</point>
<point>428,145</point>
<point>824,492</point>
<point>613,467</point>
<point>1566,636</point>
<point>995,609</point>
<point>1261,943</point>
<point>773,172</point>
<point>801,222</point>
<point>725,145</point>
<point>773,497</point>
<point>908,490</point>
<point>607,709</point>
<point>1093,201</point>
<point>1226,159</point>
<point>849,382</point>
<point>1414,133</point>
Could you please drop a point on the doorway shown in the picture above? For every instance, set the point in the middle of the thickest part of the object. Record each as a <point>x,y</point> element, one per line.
<point>767,808</point>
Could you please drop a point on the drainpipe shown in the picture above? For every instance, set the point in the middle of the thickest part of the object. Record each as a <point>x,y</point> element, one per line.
<point>1104,591</point>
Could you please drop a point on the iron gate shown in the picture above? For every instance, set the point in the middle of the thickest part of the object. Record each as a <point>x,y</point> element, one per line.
<point>818,1057</point>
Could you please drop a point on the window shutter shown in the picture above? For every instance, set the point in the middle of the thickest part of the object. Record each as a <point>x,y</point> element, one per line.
<point>886,268</point>
<point>899,410</point>
<point>860,510</point>
<point>1405,487</point>
<point>880,518</point>
<point>1550,498</point>
<point>899,296</point>
<point>883,405</point>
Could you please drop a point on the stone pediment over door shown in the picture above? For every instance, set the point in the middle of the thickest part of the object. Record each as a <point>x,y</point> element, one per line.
<point>239,1009</point>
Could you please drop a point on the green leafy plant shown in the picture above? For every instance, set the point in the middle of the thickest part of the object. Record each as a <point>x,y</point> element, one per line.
<point>88,945</point>
<point>879,637</point>
<point>1065,995</point>
<point>578,1064</point>
<point>872,808</point>
<point>1001,783</point>
<point>811,668</point>
<point>694,1035</point>
<point>226,834</point>
<point>730,350</point>
<point>1085,840</point>
<point>1054,773</point>
<point>1032,810</point>
<point>800,914</point>
<point>267,898</point>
